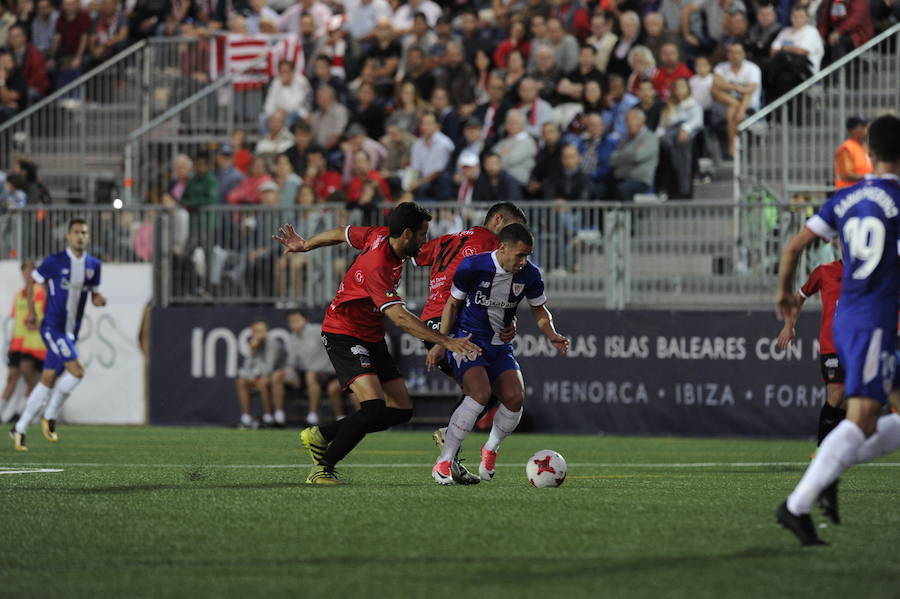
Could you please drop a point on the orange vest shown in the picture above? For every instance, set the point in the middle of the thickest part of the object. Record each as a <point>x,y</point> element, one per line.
<point>25,340</point>
<point>862,164</point>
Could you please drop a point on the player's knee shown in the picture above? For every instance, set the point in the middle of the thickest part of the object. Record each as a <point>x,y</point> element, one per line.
<point>513,400</point>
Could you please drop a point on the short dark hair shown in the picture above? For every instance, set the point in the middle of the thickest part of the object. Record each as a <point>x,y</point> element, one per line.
<point>17,181</point>
<point>30,169</point>
<point>408,215</point>
<point>884,138</point>
<point>507,209</point>
<point>511,234</point>
<point>300,125</point>
<point>76,221</point>
<point>299,313</point>
<point>202,155</point>
<point>285,61</point>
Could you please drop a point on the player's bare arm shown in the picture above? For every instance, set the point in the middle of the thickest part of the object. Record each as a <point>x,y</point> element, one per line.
<point>31,317</point>
<point>788,333</point>
<point>293,242</point>
<point>508,333</point>
<point>98,299</point>
<point>407,321</point>
<point>448,319</point>
<point>786,305</point>
<point>544,321</point>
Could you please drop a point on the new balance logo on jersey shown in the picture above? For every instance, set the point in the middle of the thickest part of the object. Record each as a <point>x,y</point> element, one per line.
<point>484,300</point>
<point>485,284</point>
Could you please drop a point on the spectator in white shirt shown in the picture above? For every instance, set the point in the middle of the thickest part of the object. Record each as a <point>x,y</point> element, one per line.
<point>736,90</point>
<point>277,138</point>
<point>290,19</point>
<point>702,82</point>
<point>288,92</point>
<point>261,12</point>
<point>362,16</point>
<point>430,154</point>
<point>403,18</point>
<point>535,110</point>
<point>797,52</point>
<point>518,149</point>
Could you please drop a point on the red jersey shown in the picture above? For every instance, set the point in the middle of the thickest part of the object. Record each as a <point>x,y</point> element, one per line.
<point>443,255</point>
<point>369,286</point>
<point>826,279</point>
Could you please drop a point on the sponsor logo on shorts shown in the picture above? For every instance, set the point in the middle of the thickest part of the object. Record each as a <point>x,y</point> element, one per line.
<point>359,350</point>
<point>832,363</point>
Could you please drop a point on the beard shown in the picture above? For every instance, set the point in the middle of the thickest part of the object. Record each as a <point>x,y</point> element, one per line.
<point>412,248</point>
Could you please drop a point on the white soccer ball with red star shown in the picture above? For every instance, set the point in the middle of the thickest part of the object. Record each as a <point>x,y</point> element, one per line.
<point>546,468</point>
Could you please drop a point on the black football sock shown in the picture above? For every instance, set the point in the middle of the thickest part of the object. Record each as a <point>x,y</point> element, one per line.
<point>330,430</point>
<point>352,431</point>
<point>829,418</point>
<point>391,417</point>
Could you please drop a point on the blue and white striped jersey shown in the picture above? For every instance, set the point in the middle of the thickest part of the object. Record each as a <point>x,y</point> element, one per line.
<point>68,280</point>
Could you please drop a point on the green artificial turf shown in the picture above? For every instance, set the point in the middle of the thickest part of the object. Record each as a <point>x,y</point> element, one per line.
<point>183,512</point>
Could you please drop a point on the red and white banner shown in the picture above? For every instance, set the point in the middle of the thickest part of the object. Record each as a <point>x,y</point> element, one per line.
<point>254,58</point>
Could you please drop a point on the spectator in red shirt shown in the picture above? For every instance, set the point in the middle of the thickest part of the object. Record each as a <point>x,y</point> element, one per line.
<point>248,190</point>
<point>30,61</point>
<point>515,41</point>
<point>70,41</point>
<point>323,181</point>
<point>362,172</point>
<point>573,16</point>
<point>844,25</point>
<point>670,68</point>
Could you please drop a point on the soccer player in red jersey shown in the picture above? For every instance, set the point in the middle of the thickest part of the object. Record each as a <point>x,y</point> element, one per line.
<point>353,331</point>
<point>825,279</point>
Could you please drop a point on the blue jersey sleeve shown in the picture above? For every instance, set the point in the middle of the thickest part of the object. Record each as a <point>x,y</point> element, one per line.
<point>825,223</point>
<point>47,270</point>
<point>464,279</point>
<point>534,287</point>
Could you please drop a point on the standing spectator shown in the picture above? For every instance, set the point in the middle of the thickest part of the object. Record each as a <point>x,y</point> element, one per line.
<point>430,155</point>
<point>329,121</point>
<point>256,373</point>
<point>736,90</point>
<point>307,359</point>
<point>43,28</point>
<point>634,161</point>
<point>670,69</point>
<point>536,111</point>
<point>649,103</point>
<point>656,35</point>
<point>276,140</point>
<point>363,17</point>
<point>495,184</point>
<point>851,160</point>
<point>596,147</point>
<point>547,161</point>
<point>70,41</point>
<point>288,181</point>
<point>227,175</point>
<point>681,121</point>
<point>796,55</point>
<point>108,35</point>
<point>602,39</point>
<point>202,190</point>
<point>630,26</point>
<point>569,182</point>
<point>302,144</point>
<point>762,34</point>
<point>844,25</point>
<point>517,150</point>
<point>618,102</point>
<point>248,190</point>
<point>30,62</point>
<point>458,79</point>
<point>288,92</point>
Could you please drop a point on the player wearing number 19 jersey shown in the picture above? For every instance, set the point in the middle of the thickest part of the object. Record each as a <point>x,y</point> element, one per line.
<point>866,217</point>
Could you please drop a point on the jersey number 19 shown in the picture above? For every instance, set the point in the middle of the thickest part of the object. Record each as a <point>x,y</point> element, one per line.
<point>865,241</point>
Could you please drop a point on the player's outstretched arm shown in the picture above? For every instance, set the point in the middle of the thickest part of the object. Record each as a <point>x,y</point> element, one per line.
<point>787,334</point>
<point>31,316</point>
<point>786,306</point>
<point>544,321</point>
<point>448,319</point>
<point>408,321</point>
<point>293,242</point>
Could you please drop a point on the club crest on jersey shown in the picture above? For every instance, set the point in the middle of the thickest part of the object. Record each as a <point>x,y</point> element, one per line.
<point>469,251</point>
<point>359,277</point>
<point>518,288</point>
<point>89,273</point>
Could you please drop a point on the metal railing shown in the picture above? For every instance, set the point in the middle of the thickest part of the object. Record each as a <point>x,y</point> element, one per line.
<point>787,148</point>
<point>611,255</point>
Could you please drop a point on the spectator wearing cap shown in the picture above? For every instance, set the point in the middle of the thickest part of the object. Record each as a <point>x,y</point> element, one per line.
<point>248,190</point>
<point>670,68</point>
<point>518,149</point>
<point>633,162</point>
<point>276,140</point>
<point>303,142</point>
<point>30,62</point>
<point>851,160</point>
<point>495,184</point>
<point>290,93</point>
<point>329,121</point>
<point>466,176</point>
<point>358,141</point>
<point>796,55</point>
<point>227,175</point>
<point>430,155</point>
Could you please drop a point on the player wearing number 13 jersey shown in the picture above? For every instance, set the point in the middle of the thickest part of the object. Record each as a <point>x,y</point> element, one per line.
<point>866,218</point>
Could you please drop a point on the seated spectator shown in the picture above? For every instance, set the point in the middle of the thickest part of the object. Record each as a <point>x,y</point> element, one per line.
<point>15,192</point>
<point>276,140</point>
<point>617,103</point>
<point>369,111</point>
<point>564,46</point>
<point>514,74</point>
<point>634,161</point>
<point>736,90</point>
<point>851,160</point>
<point>7,20</point>
<point>307,360</point>
<point>329,121</point>
<point>407,106</point>
<point>256,373</point>
<point>649,103</point>
<point>227,175</point>
<point>290,20</point>
<point>518,149</point>
<point>421,77</point>
<point>13,87</point>
<point>385,54</point>
<point>571,87</point>
<point>362,19</point>
<point>546,73</point>
<point>30,62</point>
<point>258,13</point>
<point>444,36</point>
<point>201,190</point>
<point>701,82</point>
<point>643,67</point>
<point>670,68</point>
<point>403,17</point>
<point>569,182</point>
<point>592,99</point>
<point>458,79</point>
<point>182,168</point>
<point>681,121</point>
<point>357,140</point>
<point>471,139</point>
<point>448,118</point>
<point>70,41</point>
<point>367,204</point>
<point>289,93</point>
<point>762,34</point>
<point>595,147</point>
<point>430,155</point>
<point>242,156</point>
<point>484,66</point>
<point>287,180</point>
<point>322,75</point>
<point>547,162</point>
<point>630,26</point>
<point>248,190</point>
<point>335,46</point>
<point>844,25</point>
<point>398,142</point>
<point>108,35</point>
<point>884,15</point>
<point>495,184</point>
<point>602,39</point>
<point>796,55</point>
<point>574,17</point>
<point>536,111</point>
<point>493,112</point>
<point>467,173</point>
<point>326,183</point>
<point>421,37</point>
<point>43,28</point>
<point>516,39</point>
<point>656,35</point>
<point>738,29</point>
<point>703,25</point>
<point>36,191</point>
<point>303,142</point>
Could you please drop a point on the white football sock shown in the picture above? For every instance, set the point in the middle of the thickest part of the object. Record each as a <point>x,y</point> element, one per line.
<point>505,422</point>
<point>35,404</point>
<point>837,452</point>
<point>64,387</point>
<point>461,424</point>
<point>246,419</point>
<point>885,440</point>
<point>267,418</point>
<point>312,419</point>
<point>279,417</point>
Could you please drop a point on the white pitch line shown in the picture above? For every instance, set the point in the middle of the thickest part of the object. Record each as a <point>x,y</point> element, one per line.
<point>306,465</point>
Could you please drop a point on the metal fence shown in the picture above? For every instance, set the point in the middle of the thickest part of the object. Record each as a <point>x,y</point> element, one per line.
<point>673,255</point>
<point>787,149</point>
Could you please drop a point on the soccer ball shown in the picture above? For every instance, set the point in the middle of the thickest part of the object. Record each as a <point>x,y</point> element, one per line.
<point>546,468</point>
